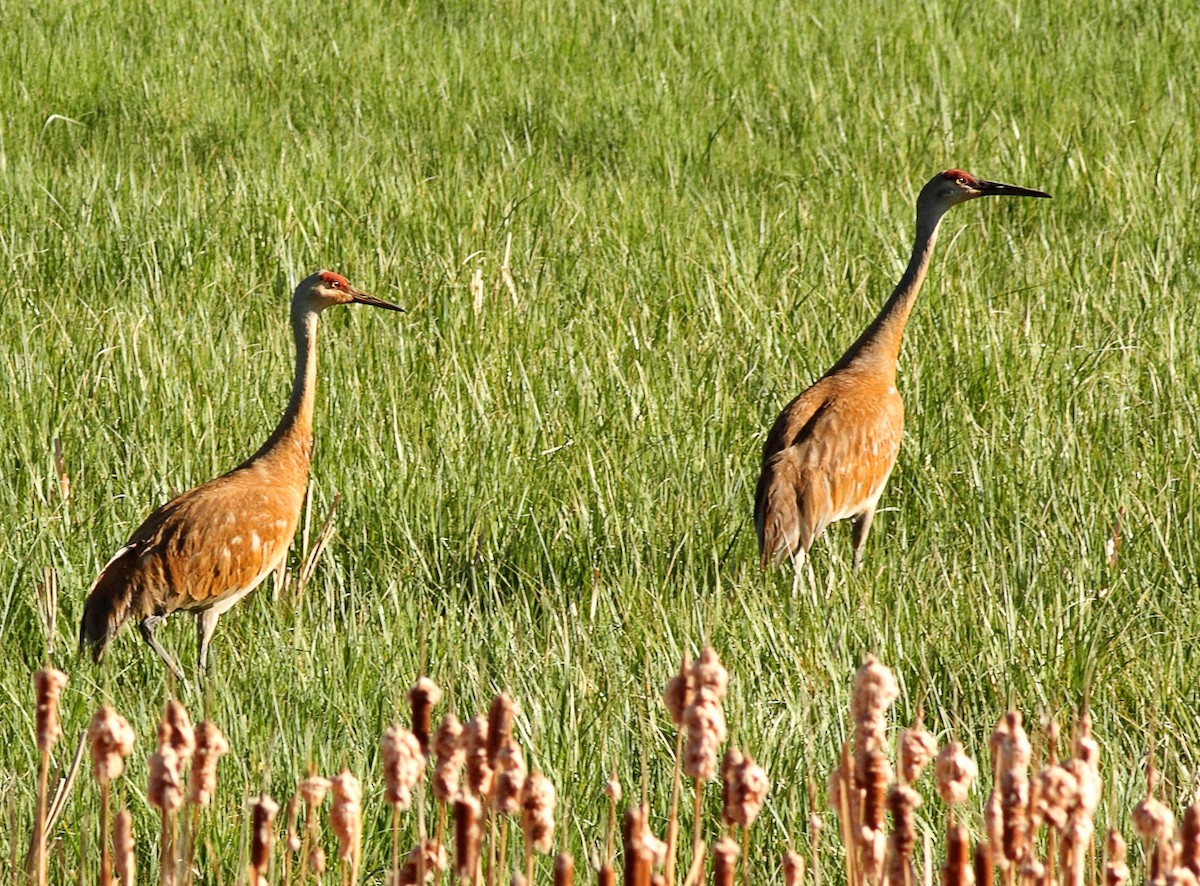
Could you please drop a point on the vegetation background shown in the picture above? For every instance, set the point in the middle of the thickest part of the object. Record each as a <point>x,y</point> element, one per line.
<point>552,495</point>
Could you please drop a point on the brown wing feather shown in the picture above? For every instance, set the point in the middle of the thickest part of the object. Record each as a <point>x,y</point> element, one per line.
<point>198,549</point>
<point>827,457</point>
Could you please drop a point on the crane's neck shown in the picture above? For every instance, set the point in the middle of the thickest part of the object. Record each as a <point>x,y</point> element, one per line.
<point>879,345</point>
<point>291,441</point>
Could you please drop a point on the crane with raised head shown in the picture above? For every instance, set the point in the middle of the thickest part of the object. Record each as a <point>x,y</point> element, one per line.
<point>206,549</point>
<point>832,449</point>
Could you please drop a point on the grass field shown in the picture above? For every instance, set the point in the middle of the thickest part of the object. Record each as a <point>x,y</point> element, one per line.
<point>552,496</point>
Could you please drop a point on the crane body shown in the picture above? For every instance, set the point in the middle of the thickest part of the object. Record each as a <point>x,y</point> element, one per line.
<point>206,549</point>
<point>830,453</point>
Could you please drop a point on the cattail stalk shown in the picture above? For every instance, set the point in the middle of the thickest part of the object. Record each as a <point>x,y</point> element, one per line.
<point>48,685</point>
<point>111,740</point>
<point>312,790</point>
<point>725,854</point>
<point>957,869</point>
<point>124,858</point>
<point>677,697</point>
<point>210,747</point>
<point>345,818</point>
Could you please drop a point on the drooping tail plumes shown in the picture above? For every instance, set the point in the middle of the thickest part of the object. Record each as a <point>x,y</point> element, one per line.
<point>108,602</point>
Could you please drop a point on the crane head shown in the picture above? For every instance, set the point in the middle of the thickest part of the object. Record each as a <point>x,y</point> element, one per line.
<point>325,289</point>
<point>955,186</point>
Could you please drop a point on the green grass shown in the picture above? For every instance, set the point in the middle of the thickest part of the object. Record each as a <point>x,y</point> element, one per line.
<point>706,202</point>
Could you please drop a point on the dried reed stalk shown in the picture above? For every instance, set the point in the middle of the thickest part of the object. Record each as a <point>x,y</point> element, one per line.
<point>677,696</point>
<point>309,560</point>
<point>345,818</point>
<point>111,740</point>
<point>48,685</point>
<point>210,747</point>
<point>537,818</point>
<point>1155,824</point>
<point>451,752</point>
<point>312,790</point>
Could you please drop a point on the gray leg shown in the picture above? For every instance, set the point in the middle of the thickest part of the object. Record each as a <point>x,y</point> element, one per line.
<point>798,558</point>
<point>206,623</point>
<point>862,526</point>
<point>148,626</point>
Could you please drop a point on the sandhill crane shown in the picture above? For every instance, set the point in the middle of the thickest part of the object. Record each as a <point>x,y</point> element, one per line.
<point>832,449</point>
<point>204,550</point>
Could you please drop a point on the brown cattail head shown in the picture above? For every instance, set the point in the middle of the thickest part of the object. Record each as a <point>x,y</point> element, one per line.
<point>163,786</point>
<point>725,854</point>
<point>793,868</point>
<point>451,751</point>
<point>317,860</point>
<point>704,721</point>
<point>537,812</point>
<point>678,694</point>
<point>1189,837</point>
<point>178,732</point>
<point>262,815</point>
<point>643,851</point>
<point>606,876</point>
<point>48,685</point>
<point>709,676</point>
<point>403,764</point>
<point>501,716</point>
<point>564,869</point>
<point>1055,794</point>
<point>434,860</point>
<point>875,689</point>
<point>467,836</point>
<point>111,739</point>
<point>211,746</point>
<point>1014,757</point>
<point>954,772</point>
<point>984,868</point>
<point>746,788</point>
<point>957,870</point>
<point>124,861</point>
<point>1153,820</point>
<point>313,789</point>
<point>1116,871</point>
<point>510,778</point>
<point>902,802</point>
<point>480,774</point>
<point>345,815</point>
<point>423,696</point>
<point>873,789</point>
<point>916,748</point>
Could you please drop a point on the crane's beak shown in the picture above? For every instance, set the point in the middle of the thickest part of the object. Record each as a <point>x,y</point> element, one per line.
<point>363,298</point>
<point>998,189</point>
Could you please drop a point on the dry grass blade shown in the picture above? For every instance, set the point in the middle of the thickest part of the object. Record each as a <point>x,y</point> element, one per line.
<point>309,565</point>
<point>47,597</point>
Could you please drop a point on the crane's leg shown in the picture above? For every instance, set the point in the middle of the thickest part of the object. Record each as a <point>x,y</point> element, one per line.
<point>862,526</point>
<point>798,559</point>
<point>148,625</point>
<point>206,623</point>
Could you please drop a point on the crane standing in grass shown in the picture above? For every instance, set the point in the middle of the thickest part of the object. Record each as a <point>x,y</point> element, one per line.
<point>833,448</point>
<point>204,550</point>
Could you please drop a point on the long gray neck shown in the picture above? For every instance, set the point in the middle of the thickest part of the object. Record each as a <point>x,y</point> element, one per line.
<point>879,345</point>
<point>296,425</point>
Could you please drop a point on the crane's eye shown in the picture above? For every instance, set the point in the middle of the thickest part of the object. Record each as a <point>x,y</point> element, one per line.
<point>960,181</point>
<point>335,284</point>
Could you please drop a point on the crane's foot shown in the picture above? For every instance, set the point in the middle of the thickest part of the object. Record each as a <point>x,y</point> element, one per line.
<point>148,626</point>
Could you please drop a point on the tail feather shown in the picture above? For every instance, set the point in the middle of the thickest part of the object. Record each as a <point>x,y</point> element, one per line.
<point>779,512</point>
<point>108,603</point>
